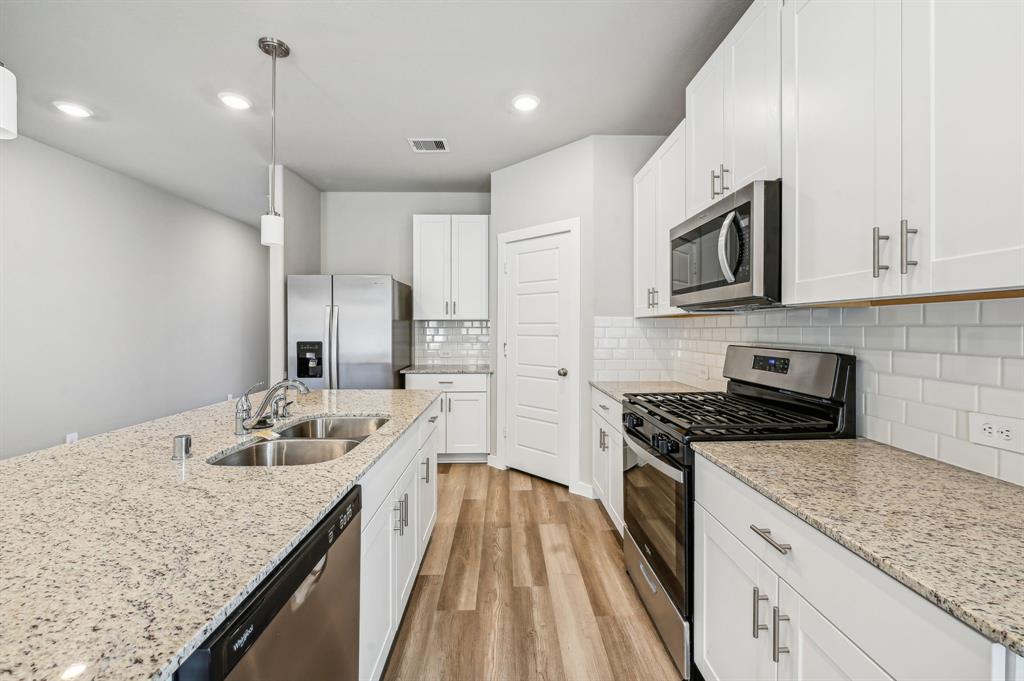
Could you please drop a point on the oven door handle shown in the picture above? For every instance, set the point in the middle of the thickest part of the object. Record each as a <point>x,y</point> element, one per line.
<point>723,242</point>
<point>643,452</point>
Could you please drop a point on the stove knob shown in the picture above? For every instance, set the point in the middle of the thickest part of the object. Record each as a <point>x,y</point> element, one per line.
<point>633,421</point>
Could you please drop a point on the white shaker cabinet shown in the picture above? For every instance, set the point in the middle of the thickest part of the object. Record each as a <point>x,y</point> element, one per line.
<point>645,208</point>
<point>812,649</point>
<point>963,145</point>
<point>733,110</point>
<point>659,204</point>
<point>841,136</point>
<point>426,500</point>
<point>734,593</point>
<point>598,433</point>
<point>450,274</point>
<point>378,612</point>
<point>463,422</point>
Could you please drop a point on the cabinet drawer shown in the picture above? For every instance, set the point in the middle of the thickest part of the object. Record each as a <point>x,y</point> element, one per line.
<point>382,476</point>
<point>448,382</point>
<point>905,634</point>
<point>428,421</point>
<point>608,408</point>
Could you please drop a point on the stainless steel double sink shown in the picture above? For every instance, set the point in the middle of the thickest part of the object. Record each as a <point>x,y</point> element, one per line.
<point>312,440</point>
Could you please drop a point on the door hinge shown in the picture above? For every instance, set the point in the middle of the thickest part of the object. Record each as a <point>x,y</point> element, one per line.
<point>504,349</point>
<point>504,431</point>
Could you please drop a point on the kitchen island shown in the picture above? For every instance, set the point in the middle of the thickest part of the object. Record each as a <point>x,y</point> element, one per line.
<point>117,562</point>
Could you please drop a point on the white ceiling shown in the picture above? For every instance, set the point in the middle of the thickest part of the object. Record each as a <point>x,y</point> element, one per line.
<point>363,76</point>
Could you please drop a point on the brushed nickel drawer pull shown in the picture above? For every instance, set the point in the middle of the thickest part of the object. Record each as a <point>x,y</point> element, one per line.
<point>876,239</point>
<point>766,534</point>
<point>758,627</point>
<point>603,406</point>
<point>776,648</point>
<point>905,230</point>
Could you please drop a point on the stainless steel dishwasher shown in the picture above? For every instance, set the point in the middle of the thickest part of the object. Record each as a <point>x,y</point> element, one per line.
<point>302,622</point>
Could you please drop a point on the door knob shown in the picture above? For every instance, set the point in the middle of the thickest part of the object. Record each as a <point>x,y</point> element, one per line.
<point>563,372</point>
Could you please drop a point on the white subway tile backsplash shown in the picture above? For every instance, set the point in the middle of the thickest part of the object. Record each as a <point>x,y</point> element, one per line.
<point>916,364</point>
<point>1005,311</point>
<point>1001,402</point>
<point>968,455</point>
<point>969,369</point>
<point>992,340</point>
<point>1011,467</point>
<point>954,395</point>
<point>915,440</point>
<point>952,313</point>
<point>899,386</point>
<point>921,368</point>
<point>931,338</point>
<point>451,342</point>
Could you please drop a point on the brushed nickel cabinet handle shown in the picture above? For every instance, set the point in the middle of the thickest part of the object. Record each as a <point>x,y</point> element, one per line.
<point>766,534</point>
<point>876,239</point>
<point>445,382</point>
<point>454,304</point>
<point>714,176</point>
<point>776,648</point>
<point>405,509</point>
<point>603,406</point>
<point>446,308</point>
<point>400,529</point>
<point>904,231</point>
<point>758,627</point>
<point>722,171</point>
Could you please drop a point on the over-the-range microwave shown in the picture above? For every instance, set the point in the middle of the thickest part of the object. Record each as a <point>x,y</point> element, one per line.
<point>729,256</point>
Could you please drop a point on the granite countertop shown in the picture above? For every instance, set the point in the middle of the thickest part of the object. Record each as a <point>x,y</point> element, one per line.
<point>954,536</point>
<point>448,369</point>
<point>618,389</point>
<point>116,558</point>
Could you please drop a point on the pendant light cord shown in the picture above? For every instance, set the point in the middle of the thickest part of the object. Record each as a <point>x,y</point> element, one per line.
<point>273,130</point>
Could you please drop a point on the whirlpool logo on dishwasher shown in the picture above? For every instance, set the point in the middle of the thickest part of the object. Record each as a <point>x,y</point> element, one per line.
<point>241,640</point>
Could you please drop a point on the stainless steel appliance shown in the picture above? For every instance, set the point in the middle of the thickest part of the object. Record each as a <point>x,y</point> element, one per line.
<point>729,256</point>
<point>349,330</point>
<point>771,394</point>
<point>302,622</point>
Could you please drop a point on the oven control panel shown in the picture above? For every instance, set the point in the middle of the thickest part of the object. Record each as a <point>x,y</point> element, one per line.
<point>775,365</point>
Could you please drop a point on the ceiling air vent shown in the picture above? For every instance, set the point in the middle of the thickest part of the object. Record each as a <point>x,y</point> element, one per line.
<point>428,146</point>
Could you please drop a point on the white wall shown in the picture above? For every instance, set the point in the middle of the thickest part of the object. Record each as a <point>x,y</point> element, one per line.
<point>921,369</point>
<point>301,210</point>
<point>119,303</point>
<point>591,179</point>
<point>371,232</point>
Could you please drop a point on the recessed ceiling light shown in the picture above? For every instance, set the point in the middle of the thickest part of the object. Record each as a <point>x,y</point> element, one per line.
<point>73,110</point>
<point>233,100</point>
<point>525,103</point>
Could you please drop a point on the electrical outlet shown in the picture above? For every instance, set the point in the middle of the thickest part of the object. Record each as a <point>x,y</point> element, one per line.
<point>1003,432</point>
<point>230,397</point>
<point>444,353</point>
<point>702,371</point>
<point>70,437</point>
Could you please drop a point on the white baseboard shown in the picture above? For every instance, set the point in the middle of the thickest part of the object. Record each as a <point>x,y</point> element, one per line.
<point>580,489</point>
<point>462,458</point>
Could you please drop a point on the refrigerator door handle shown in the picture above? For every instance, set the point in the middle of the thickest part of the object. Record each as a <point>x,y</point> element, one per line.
<point>327,346</point>
<point>335,368</point>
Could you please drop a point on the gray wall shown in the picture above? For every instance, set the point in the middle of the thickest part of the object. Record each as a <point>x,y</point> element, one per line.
<point>119,303</point>
<point>301,211</point>
<point>591,179</point>
<point>371,232</point>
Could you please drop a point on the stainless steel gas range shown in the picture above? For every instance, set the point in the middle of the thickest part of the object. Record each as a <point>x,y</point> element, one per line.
<point>772,394</point>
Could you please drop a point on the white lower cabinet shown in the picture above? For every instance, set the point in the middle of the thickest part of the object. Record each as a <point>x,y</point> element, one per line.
<point>606,443</point>
<point>812,649</point>
<point>394,538</point>
<point>464,421</point>
<point>820,612</point>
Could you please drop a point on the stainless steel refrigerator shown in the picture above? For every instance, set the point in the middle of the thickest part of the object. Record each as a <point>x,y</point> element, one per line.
<point>349,330</point>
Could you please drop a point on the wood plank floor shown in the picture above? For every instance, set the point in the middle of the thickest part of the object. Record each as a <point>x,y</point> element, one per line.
<point>523,581</point>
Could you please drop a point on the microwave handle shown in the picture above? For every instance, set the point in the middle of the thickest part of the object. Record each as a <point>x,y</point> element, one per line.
<point>723,239</point>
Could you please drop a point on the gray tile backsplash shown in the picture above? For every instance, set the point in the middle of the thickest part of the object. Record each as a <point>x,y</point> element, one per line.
<point>921,368</point>
<point>451,342</point>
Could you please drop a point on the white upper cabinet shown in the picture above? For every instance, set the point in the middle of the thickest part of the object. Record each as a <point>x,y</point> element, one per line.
<point>905,118</point>
<point>705,116</point>
<point>732,109</point>
<point>645,208</point>
<point>469,266</point>
<point>450,276</point>
<point>432,272</point>
<point>963,144</point>
<point>841,141</point>
<point>659,204</point>
<point>753,122</point>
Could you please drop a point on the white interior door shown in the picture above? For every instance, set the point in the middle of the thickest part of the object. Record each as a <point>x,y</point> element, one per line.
<point>539,325</point>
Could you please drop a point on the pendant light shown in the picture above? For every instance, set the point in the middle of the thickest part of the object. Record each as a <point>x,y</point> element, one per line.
<point>272,224</point>
<point>8,104</point>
